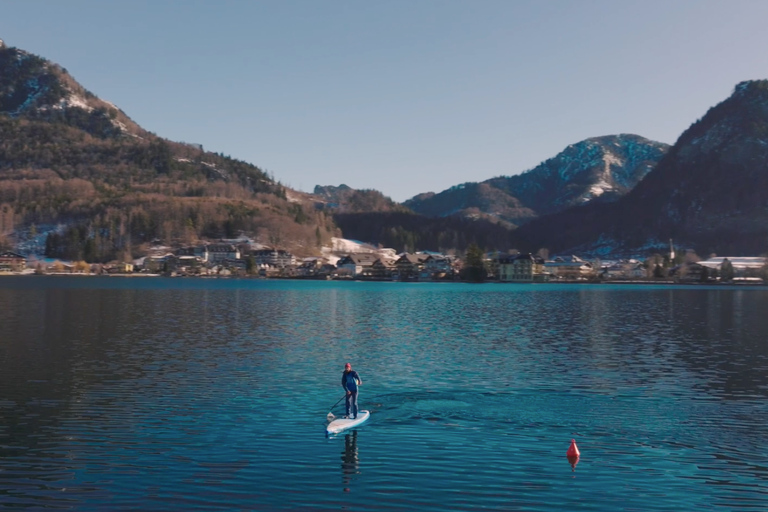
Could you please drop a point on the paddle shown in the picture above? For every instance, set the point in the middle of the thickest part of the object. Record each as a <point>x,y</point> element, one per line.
<point>330,415</point>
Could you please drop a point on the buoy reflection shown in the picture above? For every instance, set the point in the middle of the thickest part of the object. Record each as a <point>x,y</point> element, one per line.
<point>573,454</point>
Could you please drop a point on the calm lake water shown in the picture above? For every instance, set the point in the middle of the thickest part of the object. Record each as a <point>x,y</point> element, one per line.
<point>197,394</point>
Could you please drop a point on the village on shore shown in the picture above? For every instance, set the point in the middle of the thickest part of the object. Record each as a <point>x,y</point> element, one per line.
<point>348,260</point>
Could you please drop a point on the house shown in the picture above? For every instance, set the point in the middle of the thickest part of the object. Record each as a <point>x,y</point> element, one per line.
<point>159,262</point>
<point>268,270</point>
<point>187,264</point>
<point>354,265</point>
<point>117,268</point>
<point>308,267</point>
<point>692,273</point>
<point>570,268</point>
<point>326,270</point>
<point>745,268</point>
<point>409,266</point>
<point>521,268</point>
<point>12,262</point>
<point>436,266</point>
<point>381,270</point>
<point>314,268</point>
<point>624,270</point>
<point>198,251</point>
<point>235,266</point>
<point>220,252</point>
<point>276,258</point>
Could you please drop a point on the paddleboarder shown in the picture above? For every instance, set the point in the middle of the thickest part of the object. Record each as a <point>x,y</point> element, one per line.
<point>350,380</point>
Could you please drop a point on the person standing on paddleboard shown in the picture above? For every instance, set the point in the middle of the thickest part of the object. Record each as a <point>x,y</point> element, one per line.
<point>350,380</point>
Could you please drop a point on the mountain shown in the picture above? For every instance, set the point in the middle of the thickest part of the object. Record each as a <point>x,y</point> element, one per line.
<point>36,89</point>
<point>74,162</point>
<point>473,201</point>
<point>369,215</point>
<point>344,199</point>
<point>708,193</point>
<point>596,169</point>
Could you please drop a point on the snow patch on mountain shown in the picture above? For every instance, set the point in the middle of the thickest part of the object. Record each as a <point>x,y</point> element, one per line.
<point>350,246</point>
<point>341,247</point>
<point>611,159</point>
<point>73,100</point>
<point>292,197</point>
<point>603,185</point>
<point>597,190</point>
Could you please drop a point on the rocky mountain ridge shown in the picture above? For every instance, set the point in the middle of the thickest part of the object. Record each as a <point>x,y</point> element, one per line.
<point>596,169</point>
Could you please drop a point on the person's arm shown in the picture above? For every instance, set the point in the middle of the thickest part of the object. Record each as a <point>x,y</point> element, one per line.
<point>344,382</point>
<point>359,380</point>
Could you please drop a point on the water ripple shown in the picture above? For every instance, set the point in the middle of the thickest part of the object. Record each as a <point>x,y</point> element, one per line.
<point>211,395</point>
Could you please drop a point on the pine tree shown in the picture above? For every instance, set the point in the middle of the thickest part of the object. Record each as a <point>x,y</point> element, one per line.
<point>474,266</point>
<point>726,271</point>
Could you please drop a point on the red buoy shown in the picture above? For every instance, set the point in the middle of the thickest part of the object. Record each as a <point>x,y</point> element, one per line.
<point>573,450</point>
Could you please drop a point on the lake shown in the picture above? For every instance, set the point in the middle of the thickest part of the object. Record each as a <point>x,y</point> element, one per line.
<point>212,394</point>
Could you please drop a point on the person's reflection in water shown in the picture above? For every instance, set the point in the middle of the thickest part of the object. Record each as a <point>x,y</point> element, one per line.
<point>350,464</point>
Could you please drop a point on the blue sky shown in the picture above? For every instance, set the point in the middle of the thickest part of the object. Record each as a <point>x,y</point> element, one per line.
<point>400,96</point>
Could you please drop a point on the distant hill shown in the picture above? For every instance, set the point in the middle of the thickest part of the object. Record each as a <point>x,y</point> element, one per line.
<point>597,169</point>
<point>371,216</point>
<point>709,192</point>
<point>344,199</point>
<point>410,232</point>
<point>71,159</point>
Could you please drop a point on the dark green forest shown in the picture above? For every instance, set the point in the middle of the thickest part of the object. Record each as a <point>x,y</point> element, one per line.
<point>411,232</point>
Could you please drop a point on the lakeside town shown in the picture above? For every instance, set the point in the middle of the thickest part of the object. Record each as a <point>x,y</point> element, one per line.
<point>348,260</point>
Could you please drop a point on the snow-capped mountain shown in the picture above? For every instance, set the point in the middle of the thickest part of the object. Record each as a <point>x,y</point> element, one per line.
<point>599,168</point>
<point>709,193</point>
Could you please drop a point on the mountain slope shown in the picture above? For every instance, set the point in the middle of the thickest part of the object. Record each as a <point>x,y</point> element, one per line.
<point>600,168</point>
<point>35,88</point>
<point>710,192</point>
<point>70,158</point>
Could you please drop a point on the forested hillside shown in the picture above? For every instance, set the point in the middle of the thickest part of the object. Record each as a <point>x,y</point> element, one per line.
<point>410,232</point>
<point>68,158</point>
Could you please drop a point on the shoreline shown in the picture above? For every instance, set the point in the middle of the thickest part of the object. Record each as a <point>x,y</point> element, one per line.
<point>580,282</point>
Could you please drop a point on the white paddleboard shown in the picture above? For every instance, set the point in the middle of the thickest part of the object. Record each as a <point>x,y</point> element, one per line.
<point>342,424</point>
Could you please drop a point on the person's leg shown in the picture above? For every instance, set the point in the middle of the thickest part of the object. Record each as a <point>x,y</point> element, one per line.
<point>354,404</point>
<point>348,402</point>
